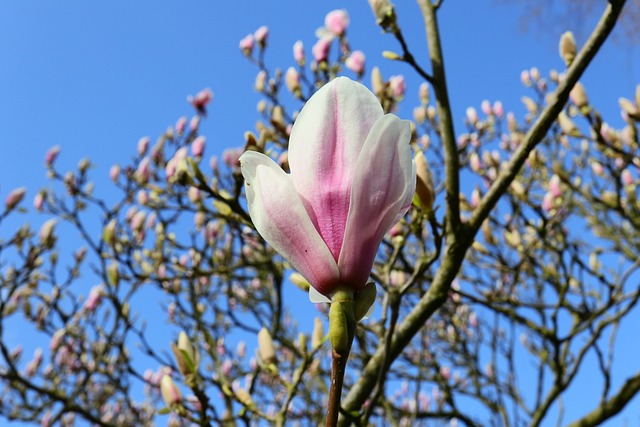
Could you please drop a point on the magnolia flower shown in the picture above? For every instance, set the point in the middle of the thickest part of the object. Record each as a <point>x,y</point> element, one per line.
<point>298,52</point>
<point>352,178</point>
<point>200,100</point>
<point>355,62</point>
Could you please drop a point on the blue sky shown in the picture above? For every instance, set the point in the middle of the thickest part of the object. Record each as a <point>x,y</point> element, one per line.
<point>94,77</point>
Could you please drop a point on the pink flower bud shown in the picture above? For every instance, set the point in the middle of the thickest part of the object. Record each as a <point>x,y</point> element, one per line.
<point>143,172</point>
<point>472,115</point>
<point>292,80</point>
<point>246,44</point>
<point>114,172</point>
<point>46,232</point>
<point>525,78</point>
<point>355,62</point>
<point>298,52</point>
<point>320,50</point>
<point>261,35</point>
<point>498,109</point>
<point>94,298</point>
<point>194,124</point>
<point>197,146</point>
<point>485,107</point>
<point>38,201</point>
<point>398,86</point>
<point>52,155</point>
<point>170,392</point>
<point>547,201</point>
<point>337,21</point>
<point>627,177</point>
<point>181,124</point>
<point>201,100</point>
<point>231,156</point>
<point>554,186</point>
<point>14,198</point>
<point>143,145</point>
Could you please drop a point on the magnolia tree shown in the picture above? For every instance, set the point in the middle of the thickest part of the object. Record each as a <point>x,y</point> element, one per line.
<point>492,300</point>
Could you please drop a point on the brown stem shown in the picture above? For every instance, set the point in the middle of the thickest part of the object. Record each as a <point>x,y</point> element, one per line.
<point>338,368</point>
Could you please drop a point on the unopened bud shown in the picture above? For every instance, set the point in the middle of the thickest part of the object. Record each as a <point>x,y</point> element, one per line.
<point>338,328</point>
<point>363,301</point>
<point>266,349</point>
<point>318,333</point>
<point>387,54</point>
<point>377,82</point>
<point>424,195</point>
<point>170,392</point>
<point>299,280</point>
<point>568,47</point>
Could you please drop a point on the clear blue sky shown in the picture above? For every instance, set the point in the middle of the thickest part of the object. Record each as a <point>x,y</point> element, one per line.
<point>95,76</point>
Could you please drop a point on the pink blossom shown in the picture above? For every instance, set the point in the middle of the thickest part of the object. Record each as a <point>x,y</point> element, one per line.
<point>114,172</point>
<point>15,197</point>
<point>485,107</point>
<point>181,124</point>
<point>547,201</point>
<point>143,172</point>
<point>352,178</point>
<point>554,186</point>
<point>472,115</point>
<point>261,35</point>
<point>194,123</point>
<point>298,52</point>
<point>337,21</point>
<point>143,145</point>
<point>398,86</point>
<point>201,100</point>
<point>355,62</point>
<point>38,201</point>
<point>231,156</point>
<point>52,155</point>
<point>320,50</point>
<point>498,109</point>
<point>292,80</point>
<point>170,392</point>
<point>627,177</point>
<point>197,147</point>
<point>246,44</point>
<point>94,298</point>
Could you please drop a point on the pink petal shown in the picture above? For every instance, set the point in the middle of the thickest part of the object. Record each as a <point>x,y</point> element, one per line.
<point>325,143</point>
<point>281,219</point>
<point>382,190</point>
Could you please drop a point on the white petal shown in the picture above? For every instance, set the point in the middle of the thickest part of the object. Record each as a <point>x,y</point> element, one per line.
<point>382,189</point>
<point>281,219</point>
<point>316,297</point>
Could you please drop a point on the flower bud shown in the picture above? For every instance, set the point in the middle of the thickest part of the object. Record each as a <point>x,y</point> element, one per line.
<point>261,35</point>
<point>14,198</point>
<point>261,79</point>
<point>377,82</point>
<point>337,22</point>
<point>47,238</point>
<point>384,13</point>
<point>579,96</point>
<point>424,196</point>
<point>338,328</point>
<point>567,125</point>
<point>318,333</point>
<point>355,62</point>
<point>629,108</point>
<point>52,155</point>
<point>246,44</point>
<point>170,392</point>
<point>186,355</point>
<point>266,349</point>
<point>298,52</point>
<point>298,280</point>
<point>568,47</point>
<point>143,145</point>
<point>363,301</point>
<point>320,49</point>
<point>423,93</point>
<point>390,55</point>
<point>292,81</point>
<point>398,87</point>
<point>197,146</point>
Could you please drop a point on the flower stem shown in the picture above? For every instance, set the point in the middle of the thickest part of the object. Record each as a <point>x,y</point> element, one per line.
<point>342,328</point>
<point>338,368</point>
